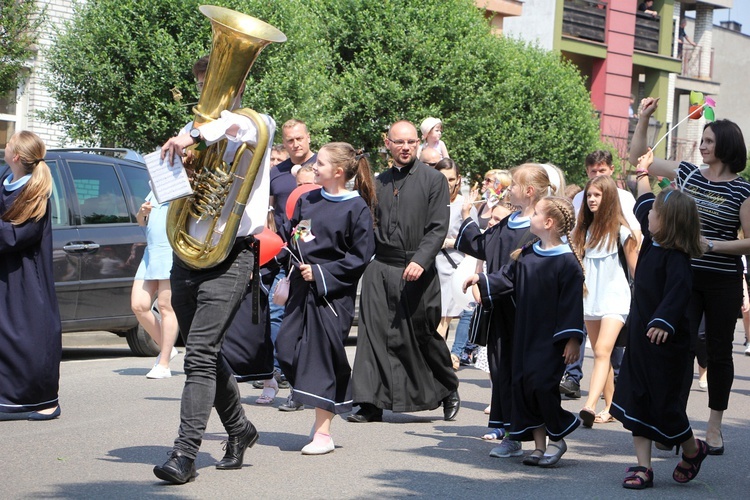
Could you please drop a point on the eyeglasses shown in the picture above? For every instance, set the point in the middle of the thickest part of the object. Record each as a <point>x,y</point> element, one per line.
<point>400,142</point>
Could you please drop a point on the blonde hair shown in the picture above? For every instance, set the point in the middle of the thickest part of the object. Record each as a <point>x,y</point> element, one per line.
<point>31,203</point>
<point>532,175</point>
<point>562,213</point>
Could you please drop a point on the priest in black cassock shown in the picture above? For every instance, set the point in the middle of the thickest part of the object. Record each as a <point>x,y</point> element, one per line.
<point>402,364</point>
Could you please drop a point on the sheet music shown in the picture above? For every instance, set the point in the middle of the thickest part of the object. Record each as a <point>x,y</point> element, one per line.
<point>168,182</point>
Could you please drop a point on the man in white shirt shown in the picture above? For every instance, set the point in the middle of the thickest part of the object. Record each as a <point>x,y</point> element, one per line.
<point>206,300</point>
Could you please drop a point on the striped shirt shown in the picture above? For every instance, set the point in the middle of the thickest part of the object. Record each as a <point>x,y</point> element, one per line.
<point>719,209</point>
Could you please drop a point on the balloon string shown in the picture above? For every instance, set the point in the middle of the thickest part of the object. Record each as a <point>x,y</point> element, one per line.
<point>677,125</point>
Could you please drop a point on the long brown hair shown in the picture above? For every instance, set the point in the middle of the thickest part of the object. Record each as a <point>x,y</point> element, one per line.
<point>31,202</point>
<point>355,166</point>
<point>680,225</point>
<point>604,225</point>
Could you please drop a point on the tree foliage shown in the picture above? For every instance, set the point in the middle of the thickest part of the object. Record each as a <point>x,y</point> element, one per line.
<point>20,21</point>
<point>349,69</point>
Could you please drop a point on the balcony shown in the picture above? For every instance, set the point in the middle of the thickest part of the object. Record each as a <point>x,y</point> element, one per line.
<point>585,19</point>
<point>647,33</point>
<point>691,63</point>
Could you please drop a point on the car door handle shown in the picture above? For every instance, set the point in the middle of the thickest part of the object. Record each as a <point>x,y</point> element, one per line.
<point>74,247</point>
<point>81,246</point>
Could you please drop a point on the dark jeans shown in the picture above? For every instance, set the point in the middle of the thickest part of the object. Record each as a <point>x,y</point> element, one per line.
<point>719,297</point>
<point>277,314</point>
<point>205,301</point>
<point>462,332</point>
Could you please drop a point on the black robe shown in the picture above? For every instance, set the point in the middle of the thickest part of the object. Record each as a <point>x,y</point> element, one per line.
<point>650,397</point>
<point>310,345</point>
<point>30,329</point>
<point>494,246</point>
<point>402,363</point>
<point>548,289</point>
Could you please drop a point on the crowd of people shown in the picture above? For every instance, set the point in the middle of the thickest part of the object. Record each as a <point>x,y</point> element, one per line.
<point>606,266</point>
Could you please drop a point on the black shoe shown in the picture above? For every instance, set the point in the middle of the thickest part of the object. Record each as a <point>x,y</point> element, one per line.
<point>179,469</point>
<point>281,379</point>
<point>451,405</point>
<point>258,384</point>
<point>235,449</point>
<point>35,415</point>
<point>570,388</point>
<point>367,413</point>
<point>716,450</point>
<point>291,405</point>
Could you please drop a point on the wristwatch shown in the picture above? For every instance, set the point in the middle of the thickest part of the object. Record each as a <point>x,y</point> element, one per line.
<point>195,133</point>
<point>710,246</point>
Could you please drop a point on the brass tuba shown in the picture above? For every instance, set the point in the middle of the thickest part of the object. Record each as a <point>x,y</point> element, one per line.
<point>237,41</point>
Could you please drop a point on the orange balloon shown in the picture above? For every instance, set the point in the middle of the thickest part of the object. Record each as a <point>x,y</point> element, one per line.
<point>695,112</point>
<point>270,245</point>
<point>294,196</point>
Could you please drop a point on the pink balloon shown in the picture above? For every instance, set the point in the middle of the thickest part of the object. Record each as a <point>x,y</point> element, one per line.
<point>294,196</point>
<point>270,245</point>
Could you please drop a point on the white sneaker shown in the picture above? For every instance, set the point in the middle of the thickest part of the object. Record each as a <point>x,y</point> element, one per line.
<point>747,351</point>
<point>159,371</point>
<point>172,355</point>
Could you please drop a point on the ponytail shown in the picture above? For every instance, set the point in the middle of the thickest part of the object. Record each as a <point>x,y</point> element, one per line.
<point>31,202</point>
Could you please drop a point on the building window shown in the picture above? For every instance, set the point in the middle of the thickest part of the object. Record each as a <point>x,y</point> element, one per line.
<point>7,117</point>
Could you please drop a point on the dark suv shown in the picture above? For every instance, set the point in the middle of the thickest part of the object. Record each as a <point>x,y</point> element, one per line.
<point>97,241</point>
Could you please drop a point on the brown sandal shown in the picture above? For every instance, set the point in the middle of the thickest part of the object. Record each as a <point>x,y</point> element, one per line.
<point>603,417</point>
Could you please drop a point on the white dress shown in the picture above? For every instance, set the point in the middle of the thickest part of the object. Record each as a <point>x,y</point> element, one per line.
<point>608,288</point>
<point>445,269</point>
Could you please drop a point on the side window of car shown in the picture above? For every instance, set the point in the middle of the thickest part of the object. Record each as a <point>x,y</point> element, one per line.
<point>137,181</point>
<point>99,193</point>
<point>58,203</point>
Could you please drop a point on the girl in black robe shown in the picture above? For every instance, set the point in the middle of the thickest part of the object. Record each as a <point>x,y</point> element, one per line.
<point>30,330</point>
<point>546,281</point>
<point>332,241</point>
<point>530,183</point>
<point>657,369</point>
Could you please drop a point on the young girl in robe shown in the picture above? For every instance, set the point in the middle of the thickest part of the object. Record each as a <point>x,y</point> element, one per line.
<point>657,367</point>
<point>600,232</point>
<point>332,241</point>
<point>30,339</point>
<point>530,182</point>
<point>548,274</point>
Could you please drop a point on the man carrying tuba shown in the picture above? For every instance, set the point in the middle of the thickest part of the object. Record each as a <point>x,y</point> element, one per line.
<point>205,297</point>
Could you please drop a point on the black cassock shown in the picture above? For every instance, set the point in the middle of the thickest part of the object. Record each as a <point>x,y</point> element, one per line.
<point>494,246</point>
<point>310,347</point>
<point>548,289</point>
<point>402,363</point>
<point>30,330</point>
<point>651,393</point>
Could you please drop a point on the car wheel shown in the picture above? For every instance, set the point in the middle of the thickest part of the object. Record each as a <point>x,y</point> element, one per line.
<point>141,342</point>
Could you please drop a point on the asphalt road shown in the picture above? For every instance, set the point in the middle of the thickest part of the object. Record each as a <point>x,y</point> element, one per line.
<point>116,425</point>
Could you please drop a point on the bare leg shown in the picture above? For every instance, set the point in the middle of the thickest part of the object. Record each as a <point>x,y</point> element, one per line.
<point>713,429</point>
<point>603,335</point>
<point>141,297</point>
<point>168,326</point>
<point>442,328</point>
<point>643,455</point>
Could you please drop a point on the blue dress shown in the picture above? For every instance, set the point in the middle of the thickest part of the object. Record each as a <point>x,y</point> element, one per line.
<point>30,329</point>
<point>157,258</point>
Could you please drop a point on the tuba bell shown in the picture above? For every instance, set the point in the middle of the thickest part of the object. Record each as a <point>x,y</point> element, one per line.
<point>237,41</point>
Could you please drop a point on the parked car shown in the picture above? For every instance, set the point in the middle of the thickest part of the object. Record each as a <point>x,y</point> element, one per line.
<point>97,242</point>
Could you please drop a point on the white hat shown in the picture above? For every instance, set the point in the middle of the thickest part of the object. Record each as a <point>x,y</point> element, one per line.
<point>428,124</point>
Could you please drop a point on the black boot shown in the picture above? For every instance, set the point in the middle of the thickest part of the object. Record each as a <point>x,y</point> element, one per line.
<point>367,413</point>
<point>179,469</point>
<point>235,448</point>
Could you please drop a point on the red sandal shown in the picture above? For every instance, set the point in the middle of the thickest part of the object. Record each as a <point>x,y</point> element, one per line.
<point>694,462</point>
<point>635,482</point>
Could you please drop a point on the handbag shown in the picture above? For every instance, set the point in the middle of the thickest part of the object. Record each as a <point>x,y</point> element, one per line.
<point>479,325</point>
